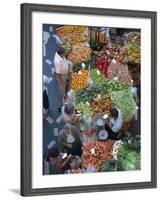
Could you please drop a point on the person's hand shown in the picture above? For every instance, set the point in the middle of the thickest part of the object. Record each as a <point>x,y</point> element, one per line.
<point>70,157</point>
<point>69,146</point>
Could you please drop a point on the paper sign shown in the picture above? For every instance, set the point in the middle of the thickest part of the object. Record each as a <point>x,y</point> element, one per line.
<point>56,133</point>
<point>113,61</point>
<point>99,96</point>
<point>51,144</point>
<point>59,119</point>
<point>48,61</point>
<point>83,65</point>
<point>87,103</point>
<point>50,120</point>
<point>115,78</point>
<point>98,72</point>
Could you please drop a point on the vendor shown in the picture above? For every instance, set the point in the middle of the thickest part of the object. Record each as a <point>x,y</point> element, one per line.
<point>56,163</point>
<point>69,140</point>
<point>115,123</point>
<point>63,69</point>
<point>69,115</point>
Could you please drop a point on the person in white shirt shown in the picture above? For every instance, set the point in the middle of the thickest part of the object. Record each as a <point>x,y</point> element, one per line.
<point>115,123</point>
<point>63,69</point>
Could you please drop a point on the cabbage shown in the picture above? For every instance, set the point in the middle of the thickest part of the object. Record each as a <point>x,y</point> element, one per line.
<point>125,102</point>
<point>111,165</point>
<point>132,161</point>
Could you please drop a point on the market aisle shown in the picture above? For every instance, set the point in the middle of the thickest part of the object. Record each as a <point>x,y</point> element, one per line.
<point>51,128</point>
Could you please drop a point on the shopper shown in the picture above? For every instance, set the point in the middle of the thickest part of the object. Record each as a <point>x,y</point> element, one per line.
<point>45,96</point>
<point>69,115</point>
<point>57,164</point>
<point>63,69</point>
<point>114,125</point>
<point>69,140</point>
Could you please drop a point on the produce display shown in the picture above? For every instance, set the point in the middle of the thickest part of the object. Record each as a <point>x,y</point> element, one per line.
<point>112,51</point>
<point>108,85</point>
<point>96,153</point>
<point>102,65</point>
<point>77,39</point>
<point>85,109</point>
<point>62,32</point>
<point>133,51</point>
<point>102,104</point>
<point>74,29</point>
<point>133,47</point>
<point>87,95</point>
<point>80,54</point>
<point>127,156</point>
<point>125,102</point>
<point>111,165</point>
<point>134,36</point>
<point>80,79</point>
<point>119,71</point>
<point>102,37</point>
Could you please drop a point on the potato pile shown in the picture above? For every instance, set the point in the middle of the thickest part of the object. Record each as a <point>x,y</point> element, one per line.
<point>80,54</point>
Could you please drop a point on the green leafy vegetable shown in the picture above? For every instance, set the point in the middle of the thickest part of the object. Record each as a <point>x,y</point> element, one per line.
<point>111,165</point>
<point>125,102</point>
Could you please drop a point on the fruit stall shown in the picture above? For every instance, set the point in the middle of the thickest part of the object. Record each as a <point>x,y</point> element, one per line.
<point>103,75</point>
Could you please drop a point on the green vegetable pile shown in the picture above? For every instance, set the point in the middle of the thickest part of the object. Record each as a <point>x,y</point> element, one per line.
<point>111,165</point>
<point>87,94</point>
<point>125,102</point>
<point>128,157</point>
<point>129,154</point>
<point>108,85</point>
<point>86,110</point>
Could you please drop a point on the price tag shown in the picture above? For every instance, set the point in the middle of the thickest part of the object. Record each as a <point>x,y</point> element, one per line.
<point>98,72</point>
<point>113,61</point>
<point>83,65</point>
<point>79,72</point>
<point>87,103</point>
<point>99,96</point>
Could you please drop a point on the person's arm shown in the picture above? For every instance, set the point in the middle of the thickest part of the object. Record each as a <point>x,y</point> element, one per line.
<point>59,77</point>
<point>62,165</point>
<point>64,143</point>
<point>107,123</point>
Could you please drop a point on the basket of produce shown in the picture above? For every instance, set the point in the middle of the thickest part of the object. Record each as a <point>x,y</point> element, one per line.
<point>80,54</point>
<point>96,153</point>
<point>119,71</point>
<point>102,37</point>
<point>80,79</point>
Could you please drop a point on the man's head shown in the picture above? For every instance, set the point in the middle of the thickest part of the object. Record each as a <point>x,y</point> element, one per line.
<point>67,128</point>
<point>61,51</point>
<point>69,109</point>
<point>114,113</point>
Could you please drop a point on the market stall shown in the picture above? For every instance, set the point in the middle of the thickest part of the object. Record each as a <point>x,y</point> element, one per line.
<point>102,80</point>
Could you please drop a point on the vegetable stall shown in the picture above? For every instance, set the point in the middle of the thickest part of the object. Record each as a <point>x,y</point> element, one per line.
<point>102,79</point>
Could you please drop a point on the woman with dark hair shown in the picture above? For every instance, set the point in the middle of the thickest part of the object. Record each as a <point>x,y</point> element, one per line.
<point>57,164</point>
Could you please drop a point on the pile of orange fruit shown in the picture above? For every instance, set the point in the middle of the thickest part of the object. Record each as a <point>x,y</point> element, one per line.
<point>80,79</point>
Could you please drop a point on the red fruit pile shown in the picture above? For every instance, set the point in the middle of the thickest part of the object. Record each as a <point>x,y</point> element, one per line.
<point>102,65</point>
